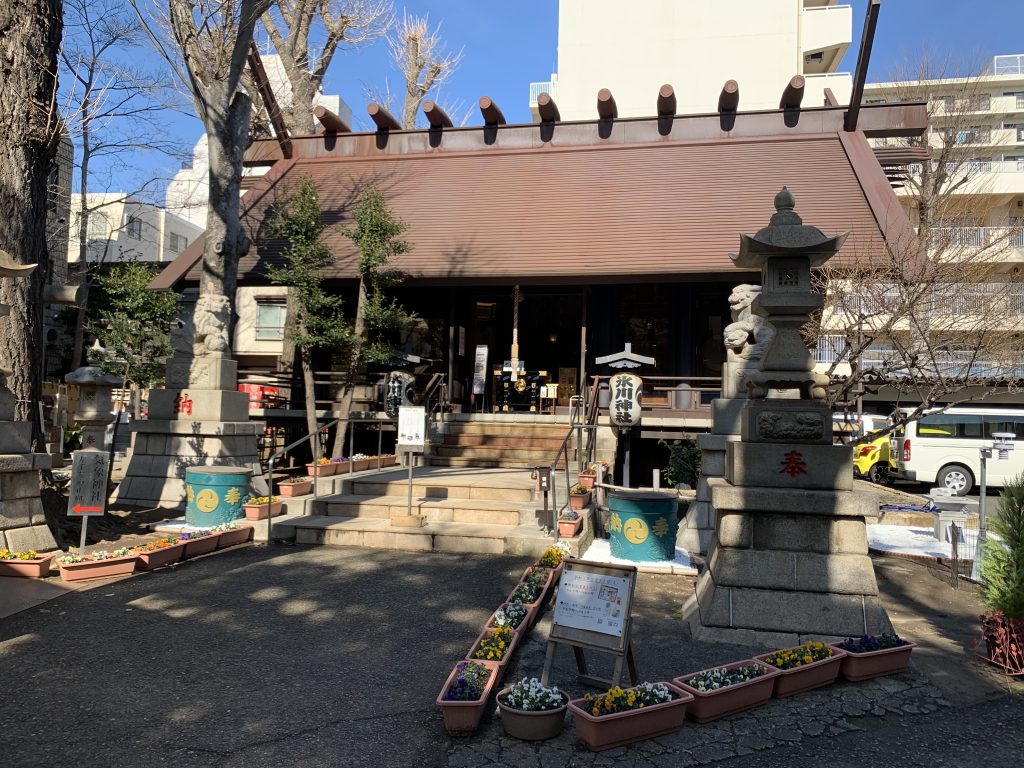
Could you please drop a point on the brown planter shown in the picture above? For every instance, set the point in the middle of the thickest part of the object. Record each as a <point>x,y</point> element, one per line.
<point>37,568</point>
<point>263,511</point>
<point>532,726</point>
<point>320,470</point>
<point>615,730</point>
<point>98,569</point>
<point>570,528</point>
<point>361,465</point>
<point>864,666</point>
<point>712,705</point>
<point>388,460</point>
<point>202,545</point>
<point>587,479</point>
<point>300,488</point>
<point>462,717</point>
<point>503,662</point>
<point>158,558</point>
<point>234,536</point>
<point>534,607</point>
<point>800,679</point>
<point>579,500</point>
<point>341,467</point>
<point>531,614</point>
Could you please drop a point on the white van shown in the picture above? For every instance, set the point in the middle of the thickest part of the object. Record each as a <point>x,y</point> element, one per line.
<point>944,448</point>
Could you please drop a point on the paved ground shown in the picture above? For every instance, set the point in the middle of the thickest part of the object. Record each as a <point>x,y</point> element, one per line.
<point>333,657</point>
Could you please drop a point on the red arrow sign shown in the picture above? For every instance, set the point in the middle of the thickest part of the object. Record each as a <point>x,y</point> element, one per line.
<point>78,508</point>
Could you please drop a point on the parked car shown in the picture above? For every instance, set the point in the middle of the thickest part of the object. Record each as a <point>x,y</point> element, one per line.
<point>871,461</point>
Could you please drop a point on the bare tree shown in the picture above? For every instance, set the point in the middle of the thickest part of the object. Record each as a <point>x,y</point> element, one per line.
<point>30,34</point>
<point>418,52</point>
<point>340,23</point>
<point>111,109</point>
<point>934,320</point>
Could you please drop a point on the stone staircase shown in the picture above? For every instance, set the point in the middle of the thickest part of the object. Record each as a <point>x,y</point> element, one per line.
<point>478,510</point>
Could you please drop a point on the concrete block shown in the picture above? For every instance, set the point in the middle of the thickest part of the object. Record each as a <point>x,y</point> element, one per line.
<point>735,530</point>
<point>407,541</point>
<point>18,513</point>
<point>753,568</point>
<point>787,421</point>
<point>473,544</point>
<point>313,535</point>
<point>726,416</point>
<point>15,462</point>
<point>41,461</point>
<point>845,574</point>
<point>19,485</point>
<point>338,538</point>
<point>37,537</point>
<point>831,503</point>
<point>790,466</point>
<point>15,437</point>
<point>709,442</point>
<point>211,373</point>
<point>199,404</point>
<point>712,463</point>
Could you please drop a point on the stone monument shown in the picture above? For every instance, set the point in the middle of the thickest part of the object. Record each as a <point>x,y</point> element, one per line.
<point>22,523</point>
<point>789,554</point>
<point>199,419</point>
<point>745,341</point>
<point>95,404</point>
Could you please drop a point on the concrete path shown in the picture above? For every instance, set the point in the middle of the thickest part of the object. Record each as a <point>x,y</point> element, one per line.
<point>333,657</point>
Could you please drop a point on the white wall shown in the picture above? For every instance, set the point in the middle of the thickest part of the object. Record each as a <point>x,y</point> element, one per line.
<point>245,328</point>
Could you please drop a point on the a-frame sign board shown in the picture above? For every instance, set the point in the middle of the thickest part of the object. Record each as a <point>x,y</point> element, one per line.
<point>593,611</point>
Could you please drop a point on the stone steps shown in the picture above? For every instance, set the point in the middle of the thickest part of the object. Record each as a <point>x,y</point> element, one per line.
<point>550,444</point>
<point>533,455</point>
<point>477,511</point>
<point>485,463</point>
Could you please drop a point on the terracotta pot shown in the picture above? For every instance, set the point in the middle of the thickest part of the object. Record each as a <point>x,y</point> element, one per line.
<point>864,666</point>
<point>263,511</point>
<point>158,558</point>
<point>234,536</point>
<point>579,500</point>
<point>462,717</point>
<point>320,470</point>
<point>98,569</point>
<point>388,460</point>
<point>800,679</point>
<point>570,528</point>
<point>712,705</point>
<point>299,488</point>
<point>607,731</point>
<point>361,465</point>
<point>503,662</point>
<point>341,467</point>
<point>202,545</point>
<point>587,479</point>
<point>37,568</point>
<point>531,726</point>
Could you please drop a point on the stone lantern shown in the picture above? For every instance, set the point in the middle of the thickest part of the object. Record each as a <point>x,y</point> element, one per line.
<point>95,403</point>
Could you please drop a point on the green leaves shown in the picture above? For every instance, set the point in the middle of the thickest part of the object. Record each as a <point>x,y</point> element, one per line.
<point>1002,569</point>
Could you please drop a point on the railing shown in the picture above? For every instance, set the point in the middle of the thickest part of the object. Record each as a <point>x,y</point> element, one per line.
<point>1008,65</point>
<point>977,237</point>
<point>674,393</point>
<point>579,422</point>
<point>536,89</point>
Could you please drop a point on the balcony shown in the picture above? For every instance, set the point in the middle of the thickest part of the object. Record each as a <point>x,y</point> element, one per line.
<point>536,89</point>
<point>994,238</point>
<point>841,84</point>
<point>826,30</point>
<point>1008,65</point>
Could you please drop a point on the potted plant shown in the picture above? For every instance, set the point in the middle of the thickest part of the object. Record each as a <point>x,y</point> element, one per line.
<point>97,565</point>
<point>388,460</point>
<point>158,553</point>
<point>530,591</point>
<point>622,716</point>
<point>198,543</point>
<point>509,615</point>
<point>494,645</point>
<point>28,564</point>
<point>341,465</point>
<point>805,667</point>
<point>360,462</point>
<point>531,711</point>
<point>322,467</point>
<point>231,534</point>
<point>723,691</point>
<point>869,656</point>
<point>588,477</point>
<point>463,697</point>
<point>554,559</point>
<point>298,486</point>
<point>569,523</point>
<point>1002,577</point>
<point>684,459</point>
<point>579,496</point>
<point>262,507</point>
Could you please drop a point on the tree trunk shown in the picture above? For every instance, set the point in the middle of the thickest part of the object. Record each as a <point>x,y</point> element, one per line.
<point>30,33</point>
<point>298,116</point>
<point>225,240</point>
<point>83,245</point>
<point>306,361</point>
<point>349,382</point>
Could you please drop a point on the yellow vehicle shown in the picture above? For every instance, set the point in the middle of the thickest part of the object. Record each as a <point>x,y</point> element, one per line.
<point>871,460</point>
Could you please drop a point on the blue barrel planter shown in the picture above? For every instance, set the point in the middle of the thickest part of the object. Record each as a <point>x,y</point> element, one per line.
<point>214,495</point>
<point>642,525</point>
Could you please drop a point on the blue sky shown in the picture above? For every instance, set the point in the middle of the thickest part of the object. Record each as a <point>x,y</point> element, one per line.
<point>506,45</point>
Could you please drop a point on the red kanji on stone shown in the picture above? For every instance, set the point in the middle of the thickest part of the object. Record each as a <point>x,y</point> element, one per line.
<point>793,464</point>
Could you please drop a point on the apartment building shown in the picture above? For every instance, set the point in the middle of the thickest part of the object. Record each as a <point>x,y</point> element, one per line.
<point>695,47</point>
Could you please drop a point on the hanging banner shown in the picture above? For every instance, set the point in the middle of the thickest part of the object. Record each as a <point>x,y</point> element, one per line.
<point>480,370</point>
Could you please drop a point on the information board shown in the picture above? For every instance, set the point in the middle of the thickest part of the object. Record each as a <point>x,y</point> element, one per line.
<point>480,370</point>
<point>596,602</point>
<point>412,427</point>
<point>88,494</point>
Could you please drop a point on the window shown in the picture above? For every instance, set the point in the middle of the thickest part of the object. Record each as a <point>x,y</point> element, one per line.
<point>133,228</point>
<point>270,318</point>
<point>950,425</point>
<point>178,243</point>
<point>99,226</point>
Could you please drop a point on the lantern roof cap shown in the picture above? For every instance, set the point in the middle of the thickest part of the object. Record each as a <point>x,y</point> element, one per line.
<point>786,235</point>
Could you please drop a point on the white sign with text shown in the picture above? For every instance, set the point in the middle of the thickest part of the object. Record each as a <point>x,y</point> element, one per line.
<point>592,601</point>
<point>412,427</point>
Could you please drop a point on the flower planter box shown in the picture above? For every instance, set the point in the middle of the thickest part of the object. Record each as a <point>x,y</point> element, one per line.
<point>806,678</point>
<point>713,705</point>
<point>607,731</point>
<point>864,666</point>
<point>320,470</point>
<point>532,725</point>
<point>462,717</point>
<point>263,511</point>
<point>295,488</point>
<point>587,479</point>
<point>159,558</point>
<point>98,569</point>
<point>234,536</point>
<point>361,465</point>
<point>388,460</point>
<point>579,500</point>
<point>37,568</point>
<point>531,614</point>
<point>502,663</point>
<point>570,528</point>
<point>341,467</point>
<point>534,606</point>
<point>201,545</point>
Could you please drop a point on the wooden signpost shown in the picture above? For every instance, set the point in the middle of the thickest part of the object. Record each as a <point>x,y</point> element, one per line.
<point>593,611</point>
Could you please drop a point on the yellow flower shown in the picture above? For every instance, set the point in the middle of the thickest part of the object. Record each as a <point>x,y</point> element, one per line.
<point>807,659</point>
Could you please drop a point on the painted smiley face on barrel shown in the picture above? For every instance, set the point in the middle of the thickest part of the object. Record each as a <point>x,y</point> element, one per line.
<point>635,530</point>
